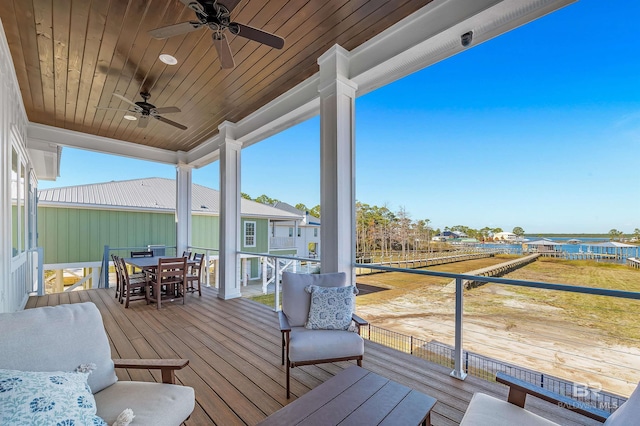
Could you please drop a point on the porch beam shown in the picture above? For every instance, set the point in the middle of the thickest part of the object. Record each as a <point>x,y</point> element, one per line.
<point>337,162</point>
<point>229,213</point>
<point>39,134</point>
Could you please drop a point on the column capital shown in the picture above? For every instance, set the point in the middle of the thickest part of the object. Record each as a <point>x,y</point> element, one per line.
<point>227,131</point>
<point>334,71</point>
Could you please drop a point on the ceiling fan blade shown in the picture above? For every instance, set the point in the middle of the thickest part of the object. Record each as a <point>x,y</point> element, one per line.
<point>255,34</point>
<point>230,4</point>
<point>114,109</point>
<point>122,98</point>
<point>224,51</point>
<point>174,30</point>
<point>194,5</point>
<point>173,123</point>
<point>165,110</point>
<point>143,121</point>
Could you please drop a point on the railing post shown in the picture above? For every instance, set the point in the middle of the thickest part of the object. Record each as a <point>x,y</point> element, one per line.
<point>41,289</point>
<point>458,371</point>
<point>276,284</point>
<point>105,266</point>
<point>207,261</point>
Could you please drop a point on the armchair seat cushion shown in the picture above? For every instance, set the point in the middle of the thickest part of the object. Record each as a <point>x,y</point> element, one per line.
<point>486,410</point>
<point>152,403</point>
<point>306,345</point>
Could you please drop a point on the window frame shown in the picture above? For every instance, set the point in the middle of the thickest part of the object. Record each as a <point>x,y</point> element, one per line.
<point>246,233</point>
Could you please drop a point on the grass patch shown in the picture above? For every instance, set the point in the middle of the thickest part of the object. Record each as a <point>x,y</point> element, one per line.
<point>266,299</point>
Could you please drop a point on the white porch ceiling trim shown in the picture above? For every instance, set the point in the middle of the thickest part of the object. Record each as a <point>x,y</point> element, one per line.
<point>40,133</point>
<point>422,39</point>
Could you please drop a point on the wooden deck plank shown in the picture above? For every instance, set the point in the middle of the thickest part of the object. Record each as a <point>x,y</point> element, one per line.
<point>235,359</point>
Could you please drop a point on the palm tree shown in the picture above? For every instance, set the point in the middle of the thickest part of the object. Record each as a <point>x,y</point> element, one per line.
<point>613,234</point>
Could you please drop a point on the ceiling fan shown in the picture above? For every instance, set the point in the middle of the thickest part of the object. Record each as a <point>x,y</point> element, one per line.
<point>217,17</point>
<point>145,111</point>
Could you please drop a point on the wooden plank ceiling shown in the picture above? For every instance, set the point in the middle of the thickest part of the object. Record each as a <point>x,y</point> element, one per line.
<point>72,55</point>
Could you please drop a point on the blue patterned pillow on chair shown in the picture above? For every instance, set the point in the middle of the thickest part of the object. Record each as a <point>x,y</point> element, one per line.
<point>331,307</point>
<point>47,398</point>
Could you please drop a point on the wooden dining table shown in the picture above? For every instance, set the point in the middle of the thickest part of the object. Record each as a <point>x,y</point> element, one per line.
<point>151,264</point>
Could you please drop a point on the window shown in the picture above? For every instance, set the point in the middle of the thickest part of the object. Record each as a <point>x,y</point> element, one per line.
<point>315,232</point>
<point>290,232</point>
<point>299,232</point>
<point>250,234</point>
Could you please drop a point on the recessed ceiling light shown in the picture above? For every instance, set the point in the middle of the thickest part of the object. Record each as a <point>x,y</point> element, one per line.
<point>168,59</point>
<point>130,117</point>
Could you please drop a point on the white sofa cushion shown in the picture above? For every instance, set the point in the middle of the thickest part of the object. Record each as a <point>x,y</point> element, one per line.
<point>58,338</point>
<point>307,345</point>
<point>485,410</point>
<point>296,301</point>
<point>157,404</point>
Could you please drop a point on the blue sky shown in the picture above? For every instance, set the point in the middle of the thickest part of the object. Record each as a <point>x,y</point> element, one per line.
<point>538,128</point>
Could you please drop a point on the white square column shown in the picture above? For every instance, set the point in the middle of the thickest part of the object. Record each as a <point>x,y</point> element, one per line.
<point>337,163</point>
<point>229,213</point>
<point>183,208</point>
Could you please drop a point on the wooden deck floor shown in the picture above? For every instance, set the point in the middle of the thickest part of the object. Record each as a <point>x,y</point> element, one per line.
<point>234,352</point>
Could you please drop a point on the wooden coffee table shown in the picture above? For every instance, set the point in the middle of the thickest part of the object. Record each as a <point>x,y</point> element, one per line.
<point>356,396</point>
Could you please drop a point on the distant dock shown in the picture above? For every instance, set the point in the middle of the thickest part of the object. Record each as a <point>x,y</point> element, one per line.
<point>581,255</point>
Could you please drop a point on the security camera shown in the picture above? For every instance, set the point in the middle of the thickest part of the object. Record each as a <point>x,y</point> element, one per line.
<point>466,38</point>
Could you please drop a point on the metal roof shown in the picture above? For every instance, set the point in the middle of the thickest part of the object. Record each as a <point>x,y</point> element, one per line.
<point>312,220</point>
<point>149,194</point>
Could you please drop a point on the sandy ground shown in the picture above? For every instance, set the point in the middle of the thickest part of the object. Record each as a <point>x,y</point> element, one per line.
<point>538,337</point>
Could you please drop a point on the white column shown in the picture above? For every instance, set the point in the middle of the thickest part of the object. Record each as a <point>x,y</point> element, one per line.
<point>183,208</point>
<point>337,162</point>
<point>229,213</point>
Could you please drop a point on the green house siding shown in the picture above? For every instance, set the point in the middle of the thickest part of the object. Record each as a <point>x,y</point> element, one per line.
<point>205,231</point>
<point>70,235</point>
<point>79,235</point>
<point>262,235</point>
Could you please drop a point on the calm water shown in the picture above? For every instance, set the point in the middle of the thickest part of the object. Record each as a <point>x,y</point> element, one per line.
<point>569,248</point>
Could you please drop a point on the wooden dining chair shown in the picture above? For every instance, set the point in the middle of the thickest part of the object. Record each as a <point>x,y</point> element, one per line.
<point>187,254</point>
<point>116,265</point>
<point>171,276</point>
<point>195,274</point>
<point>134,286</point>
<point>143,253</point>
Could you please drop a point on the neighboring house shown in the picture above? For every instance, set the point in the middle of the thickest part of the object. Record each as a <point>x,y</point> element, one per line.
<point>303,234</point>
<point>505,236</point>
<point>449,235</point>
<point>76,223</point>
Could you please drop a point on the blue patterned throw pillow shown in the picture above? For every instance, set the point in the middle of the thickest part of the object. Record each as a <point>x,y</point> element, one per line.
<point>47,398</point>
<point>331,307</point>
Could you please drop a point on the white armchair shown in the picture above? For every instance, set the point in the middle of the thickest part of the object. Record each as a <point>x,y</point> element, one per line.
<point>306,346</point>
<point>60,338</point>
